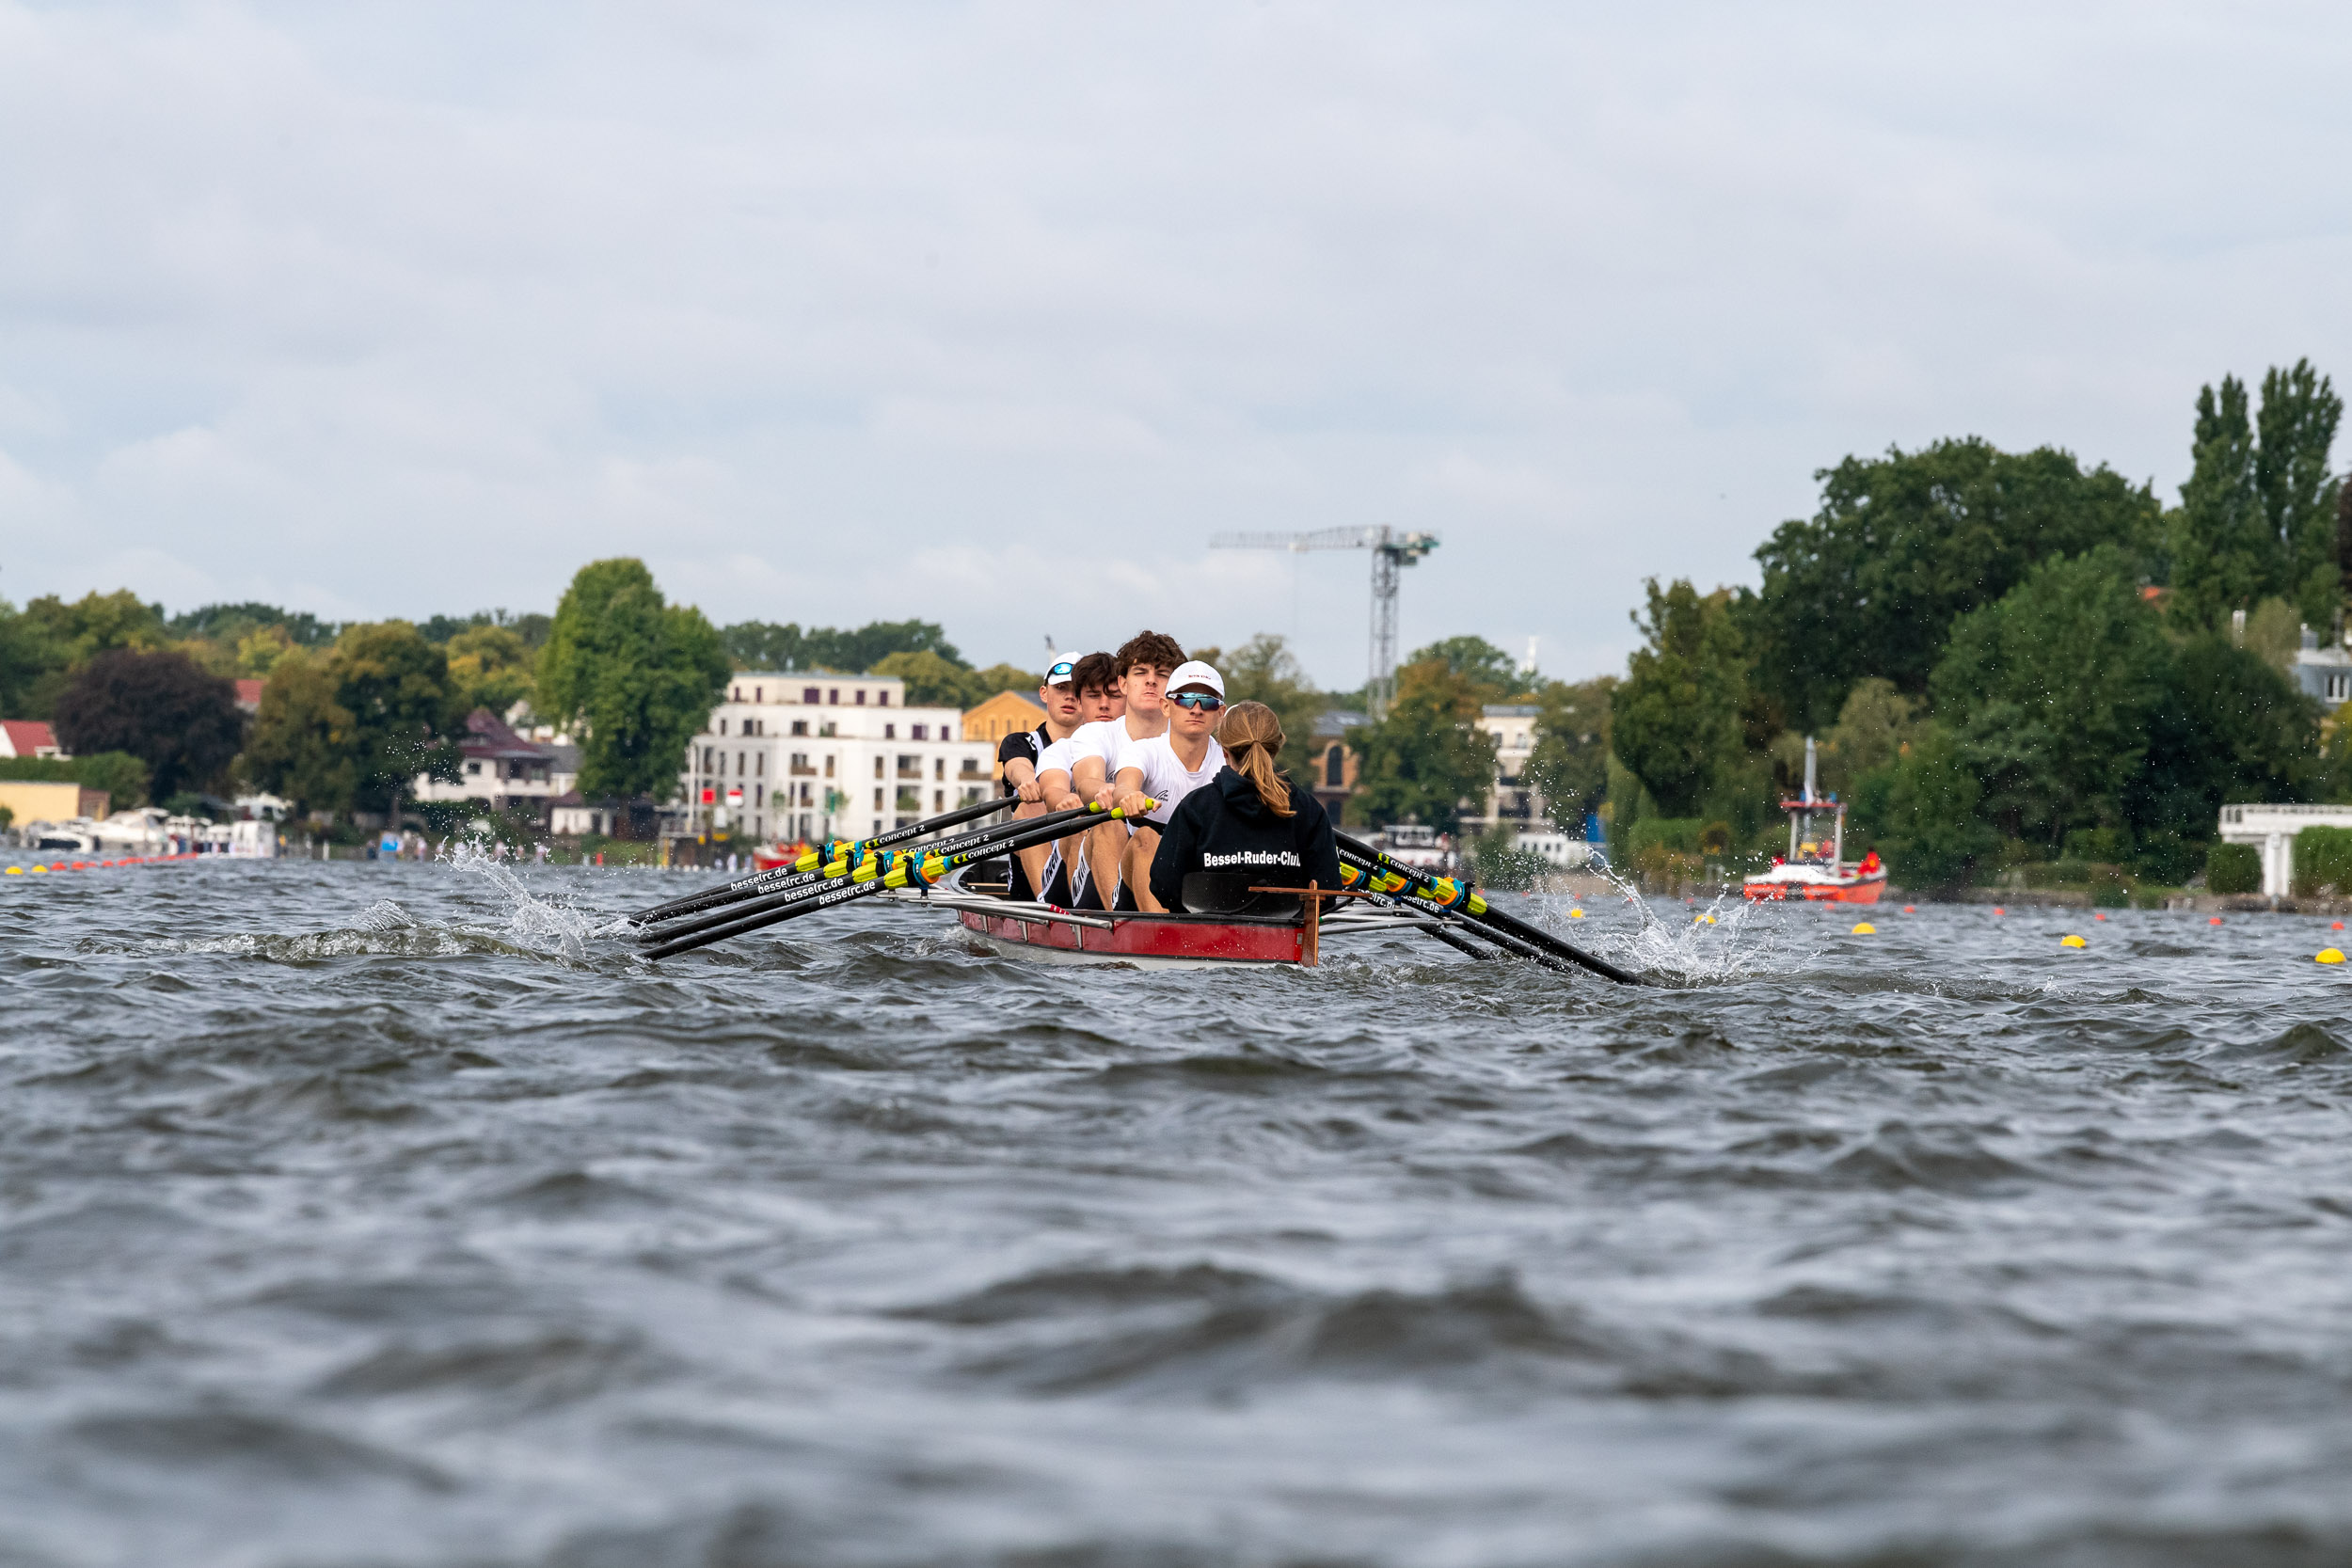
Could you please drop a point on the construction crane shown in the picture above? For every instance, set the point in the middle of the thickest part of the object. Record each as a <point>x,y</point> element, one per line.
<point>1390,550</point>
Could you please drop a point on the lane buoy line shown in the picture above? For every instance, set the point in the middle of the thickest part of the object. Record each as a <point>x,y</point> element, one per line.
<point>39,870</point>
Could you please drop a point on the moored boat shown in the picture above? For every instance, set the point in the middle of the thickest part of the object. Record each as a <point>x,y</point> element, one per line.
<point>1815,869</point>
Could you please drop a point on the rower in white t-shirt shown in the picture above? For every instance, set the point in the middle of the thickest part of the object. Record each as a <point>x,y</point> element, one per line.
<point>1143,665</point>
<point>1167,767</point>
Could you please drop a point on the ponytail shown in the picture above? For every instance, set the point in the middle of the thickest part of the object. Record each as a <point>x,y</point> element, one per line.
<point>1252,739</point>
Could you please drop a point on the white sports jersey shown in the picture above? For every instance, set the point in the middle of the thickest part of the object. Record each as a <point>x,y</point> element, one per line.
<point>1166,779</point>
<point>1103,740</point>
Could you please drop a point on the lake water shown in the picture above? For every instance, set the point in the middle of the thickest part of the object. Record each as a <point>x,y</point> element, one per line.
<point>396,1214</point>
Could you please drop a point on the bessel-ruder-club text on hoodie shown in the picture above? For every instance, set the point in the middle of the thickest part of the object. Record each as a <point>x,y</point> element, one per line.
<point>1226,827</point>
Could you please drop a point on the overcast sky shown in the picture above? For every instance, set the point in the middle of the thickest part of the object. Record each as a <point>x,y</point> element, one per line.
<point>992,314</point>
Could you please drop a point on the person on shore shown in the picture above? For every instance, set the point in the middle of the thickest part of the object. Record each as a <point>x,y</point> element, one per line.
<point>1168,768</point>
<point>1143,665</point>
<point>1248,819</point>
<point>1016,757</point>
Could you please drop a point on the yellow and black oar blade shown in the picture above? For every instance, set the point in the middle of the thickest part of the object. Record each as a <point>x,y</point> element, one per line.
<point>926,867</point>
<point>811,884</point>
<point>1464,900</point>
<point>777,878</point>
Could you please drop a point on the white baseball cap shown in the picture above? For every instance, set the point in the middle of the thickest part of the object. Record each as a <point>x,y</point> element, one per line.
<point>1061,673</point>
<point>1193,672</point>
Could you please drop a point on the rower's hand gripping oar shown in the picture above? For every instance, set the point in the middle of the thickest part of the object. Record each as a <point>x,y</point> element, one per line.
<point>816,856</point>
<point>909,868</point>
<point>1463,899</point>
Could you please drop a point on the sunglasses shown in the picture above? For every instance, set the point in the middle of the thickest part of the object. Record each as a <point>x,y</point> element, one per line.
<point>1200,701</point>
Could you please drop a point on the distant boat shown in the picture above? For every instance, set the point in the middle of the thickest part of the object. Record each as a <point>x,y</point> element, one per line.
<point>1815,868</point>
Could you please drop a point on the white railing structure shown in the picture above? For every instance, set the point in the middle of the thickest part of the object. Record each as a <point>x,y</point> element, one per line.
<point>2272,830</point>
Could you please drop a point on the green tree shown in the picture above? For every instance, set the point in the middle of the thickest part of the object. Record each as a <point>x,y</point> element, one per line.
<point>1873,727</point>
<point>233,623</point>
<point>932,681</point>
<point>181,722</point>
<point>2295,428</point>
<point>2257,517</point>
<point>2050,693</point>
<point>302,745</point>
<point>1569,762</point>
<point>1480,662</point>
<point>1901,545</point>
<point>1676,719</point>
<point>490,667</point>
<point>30,657</point>
<point>1264,670</point>
<point>1427,756</point>
<point>764,645</point>
<point>2227,726</point>
<point>1923,812</point>
<point>404,709</point>
<point>636,675</point>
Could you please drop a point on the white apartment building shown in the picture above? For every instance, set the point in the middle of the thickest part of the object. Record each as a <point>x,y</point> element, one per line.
<point>793,755</point>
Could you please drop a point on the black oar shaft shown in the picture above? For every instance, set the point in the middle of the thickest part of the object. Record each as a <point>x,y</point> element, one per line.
<point>1454,924</point>
<point>1005,840</point>
<point>780,877</point>
<point>810,884</point>
<point>1488,916</point>
<point>799,884</point>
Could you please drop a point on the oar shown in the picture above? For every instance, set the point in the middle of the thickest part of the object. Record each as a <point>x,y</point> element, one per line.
<point>863,867</point>
<point>920,868</point>
<point>778,876</point>
<point>1362,875</point>
<point>1463,899</point>
<point>799,884</point>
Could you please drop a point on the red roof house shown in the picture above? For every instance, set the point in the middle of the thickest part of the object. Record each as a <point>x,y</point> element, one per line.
<point>27,738</point>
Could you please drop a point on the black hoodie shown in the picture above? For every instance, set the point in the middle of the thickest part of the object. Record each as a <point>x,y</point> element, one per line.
<point>1225,826</point>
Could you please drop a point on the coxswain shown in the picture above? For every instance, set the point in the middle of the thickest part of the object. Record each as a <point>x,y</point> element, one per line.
<point>1249,818</point>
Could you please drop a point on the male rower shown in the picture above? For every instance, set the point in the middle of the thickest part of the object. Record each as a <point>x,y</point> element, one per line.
<point>1017,755</point>
<point>1059,870</point>
<point>1168,768</point>
<point>1143,665</point>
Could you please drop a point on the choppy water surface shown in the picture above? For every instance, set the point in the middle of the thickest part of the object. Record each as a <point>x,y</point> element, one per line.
<point>374,1214</point>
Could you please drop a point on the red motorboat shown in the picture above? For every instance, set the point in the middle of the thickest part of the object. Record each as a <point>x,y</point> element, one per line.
<point>1815,868</point>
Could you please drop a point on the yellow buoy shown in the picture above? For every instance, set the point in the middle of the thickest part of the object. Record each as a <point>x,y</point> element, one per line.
<point>1866,930</point>
<point>1704,920</point>
<point>1576,915</point>
<point>39,869</point>
<point>16,871</point>
<point>2072,942</point>
<point>2329,955</point>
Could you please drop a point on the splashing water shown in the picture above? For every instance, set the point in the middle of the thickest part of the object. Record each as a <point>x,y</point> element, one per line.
<point>530,921</point>
<point>1722,942</point>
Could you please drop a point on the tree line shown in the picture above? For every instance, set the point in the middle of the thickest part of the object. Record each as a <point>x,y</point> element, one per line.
<point>2009,658</point>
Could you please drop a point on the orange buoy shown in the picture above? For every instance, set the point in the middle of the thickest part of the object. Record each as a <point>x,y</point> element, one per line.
<point>1911,909</point>
<point>2214,921</point>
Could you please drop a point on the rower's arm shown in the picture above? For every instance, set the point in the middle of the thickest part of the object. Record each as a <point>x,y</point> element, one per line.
<point>1053,786</point>
<point>1088,780</point>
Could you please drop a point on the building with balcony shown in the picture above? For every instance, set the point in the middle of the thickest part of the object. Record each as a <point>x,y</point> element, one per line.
<point>794,756</point>
<point>502,771</point>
